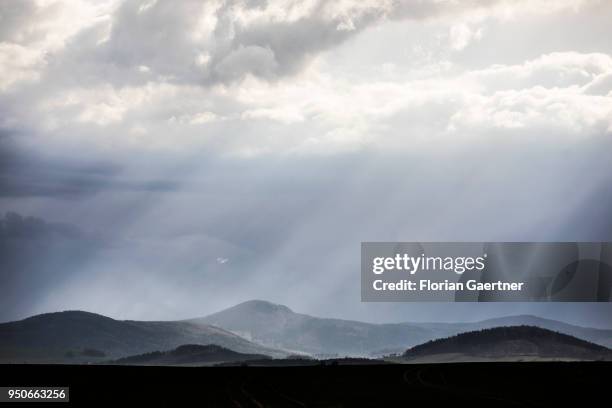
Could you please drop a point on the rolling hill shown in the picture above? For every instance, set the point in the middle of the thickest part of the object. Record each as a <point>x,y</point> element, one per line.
<point>76,336</point>
<point>509,343</point>
<point>277,326</point>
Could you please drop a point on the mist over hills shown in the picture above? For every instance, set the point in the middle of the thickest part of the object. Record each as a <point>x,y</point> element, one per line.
<point>509,343</point>
<point>254,327</point>
<point>63,336</point>
<point>279,327</point>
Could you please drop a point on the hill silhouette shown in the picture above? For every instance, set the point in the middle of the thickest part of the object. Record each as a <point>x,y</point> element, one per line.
<point>513,342</point>
<point>190,354</point>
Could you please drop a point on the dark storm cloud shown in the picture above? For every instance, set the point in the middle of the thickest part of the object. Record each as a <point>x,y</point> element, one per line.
<point>23,174</point>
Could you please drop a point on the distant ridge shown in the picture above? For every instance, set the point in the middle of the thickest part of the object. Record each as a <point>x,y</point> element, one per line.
<point>190,354</point>
<point>512,342</point>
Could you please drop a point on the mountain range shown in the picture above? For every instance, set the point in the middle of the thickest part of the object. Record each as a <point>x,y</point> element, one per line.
<point>279,327</point>
<point>254,327</point>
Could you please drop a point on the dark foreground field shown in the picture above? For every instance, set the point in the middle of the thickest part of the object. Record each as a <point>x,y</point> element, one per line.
<point>490,384</point>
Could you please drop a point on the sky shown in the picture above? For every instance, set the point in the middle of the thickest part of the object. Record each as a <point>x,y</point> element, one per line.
<point>164,160</point>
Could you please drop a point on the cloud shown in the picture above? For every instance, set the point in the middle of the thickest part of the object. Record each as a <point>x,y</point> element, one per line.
<point>601,85</point>
<point>17,18</point>
<point>19,64</point>
<point>461,35</point>
<point>252,59</point>
<point>216,41</point>
<point>557,69</point>
<point>199,75</point>
<point>564,93</point>
<point>558,92</point>
<point>552,111</point>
